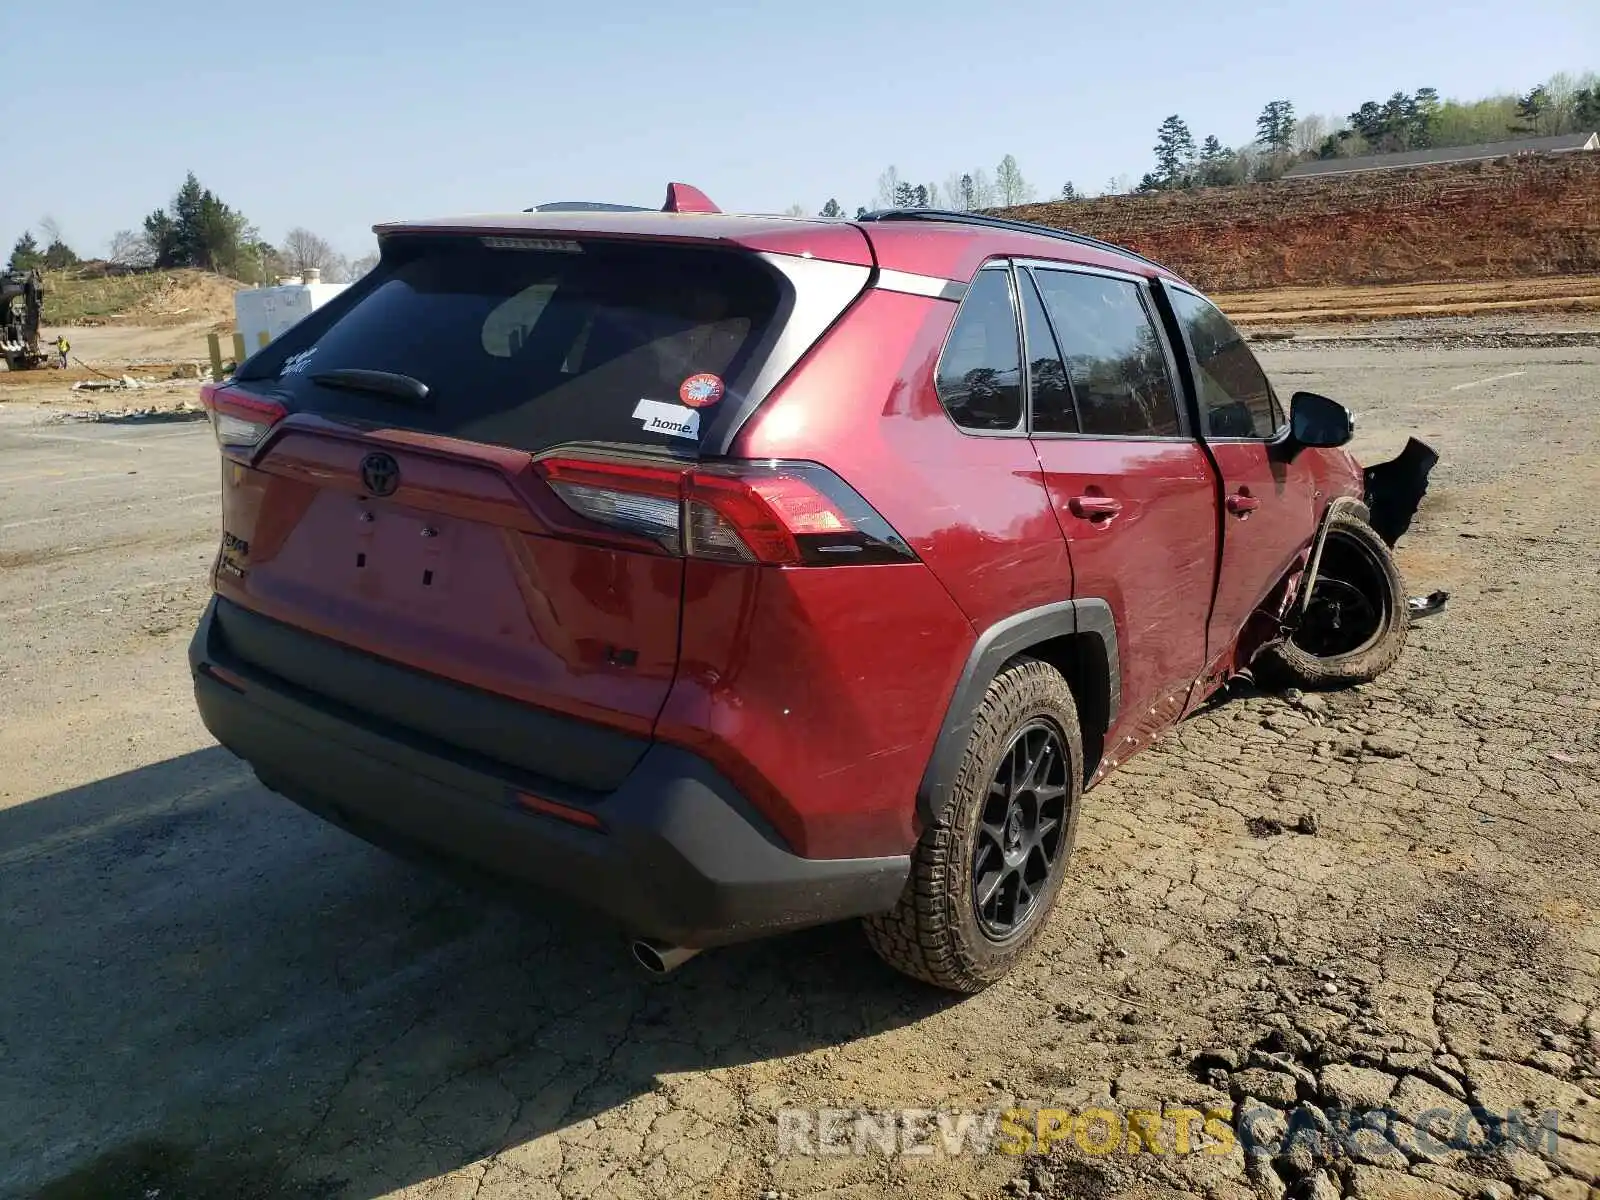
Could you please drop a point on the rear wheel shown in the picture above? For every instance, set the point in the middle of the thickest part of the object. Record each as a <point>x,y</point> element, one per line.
<point>1354,626</point>
<point>985,876</point>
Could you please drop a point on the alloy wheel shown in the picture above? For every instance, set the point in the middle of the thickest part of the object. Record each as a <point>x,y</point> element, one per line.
<point>1020,830</point>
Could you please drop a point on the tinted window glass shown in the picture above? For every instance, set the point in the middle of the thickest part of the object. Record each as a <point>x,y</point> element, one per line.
<point>980,371</point>
<point>532,348</point>
<point>1113,354</point>
<point>1235,400</point>
<point>1047,376</point>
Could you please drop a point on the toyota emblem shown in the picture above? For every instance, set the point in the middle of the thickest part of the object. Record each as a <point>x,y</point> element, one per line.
<point>380,474</point>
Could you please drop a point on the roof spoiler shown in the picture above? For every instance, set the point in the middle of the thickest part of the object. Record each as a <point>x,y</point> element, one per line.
<point>681,198</point>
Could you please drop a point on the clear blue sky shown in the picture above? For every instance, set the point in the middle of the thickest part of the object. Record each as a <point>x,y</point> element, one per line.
<point>340,113</point>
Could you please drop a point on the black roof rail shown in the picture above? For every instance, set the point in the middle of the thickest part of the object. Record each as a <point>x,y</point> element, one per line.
<point>585,206</point>
<point>957,217</point>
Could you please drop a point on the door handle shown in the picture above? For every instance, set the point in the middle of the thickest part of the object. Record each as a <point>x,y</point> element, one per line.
<point>1094,506</point>
<point>1241,503</point>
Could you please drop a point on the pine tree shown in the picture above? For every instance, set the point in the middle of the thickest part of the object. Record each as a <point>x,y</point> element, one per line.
<point>1214,159</point>
<point>1425,117</point>
<point>1174,153</point>
<point>1368,121</point>
<point>1275,127</point>
<point>1586,109</point>
<point>1530,109</point>
<point>1068,192</point>
<point>831,209</point>
<point>1399,118</point>
<point>26,255</point>
<point>58,255</point>
<point>202,231</point>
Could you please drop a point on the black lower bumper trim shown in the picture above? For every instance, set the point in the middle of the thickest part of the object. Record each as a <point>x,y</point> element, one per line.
<point>683,857</point>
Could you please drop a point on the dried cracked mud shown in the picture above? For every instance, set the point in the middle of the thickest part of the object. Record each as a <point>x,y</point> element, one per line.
<point>1376,901</point>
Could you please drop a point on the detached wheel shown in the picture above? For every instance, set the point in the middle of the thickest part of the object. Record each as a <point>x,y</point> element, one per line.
<point>1355,625</point>
<point>985,877</point>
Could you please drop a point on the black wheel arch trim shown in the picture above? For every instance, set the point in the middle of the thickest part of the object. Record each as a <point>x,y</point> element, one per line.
<point>996,646</point>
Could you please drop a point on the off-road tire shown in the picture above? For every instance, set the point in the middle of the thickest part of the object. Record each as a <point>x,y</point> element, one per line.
<point>1286,663</point>
<point>933,933</point>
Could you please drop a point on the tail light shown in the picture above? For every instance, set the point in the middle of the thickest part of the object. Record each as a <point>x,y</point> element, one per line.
<point>772,512</point>
<point>239,421</point>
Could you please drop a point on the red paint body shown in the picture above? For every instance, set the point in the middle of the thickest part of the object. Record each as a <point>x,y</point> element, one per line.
<point>818,690</point>
<point>1153,560</point>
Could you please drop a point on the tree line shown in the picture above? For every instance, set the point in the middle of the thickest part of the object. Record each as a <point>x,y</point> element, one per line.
<point>962,191</point>
<point>1405,121</point>
<point>196,229</point>
<point>1418,120</point>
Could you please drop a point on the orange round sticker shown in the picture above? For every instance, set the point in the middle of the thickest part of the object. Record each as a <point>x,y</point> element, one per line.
<point>700,391</point>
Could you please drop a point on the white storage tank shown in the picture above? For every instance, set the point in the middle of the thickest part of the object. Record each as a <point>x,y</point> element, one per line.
<point>271,310</point>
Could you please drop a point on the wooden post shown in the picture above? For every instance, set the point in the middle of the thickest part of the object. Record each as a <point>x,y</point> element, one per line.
<point>214,344</point>
<point>263,338</point>
<point>238,348</point>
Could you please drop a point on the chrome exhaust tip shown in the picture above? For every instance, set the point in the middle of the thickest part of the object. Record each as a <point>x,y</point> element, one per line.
<point>660,958</point>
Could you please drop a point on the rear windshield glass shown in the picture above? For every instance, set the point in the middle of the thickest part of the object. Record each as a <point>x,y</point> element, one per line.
<point>531,348</point>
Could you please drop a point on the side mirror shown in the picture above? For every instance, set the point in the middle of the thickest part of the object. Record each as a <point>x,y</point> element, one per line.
<point>1317,421</point>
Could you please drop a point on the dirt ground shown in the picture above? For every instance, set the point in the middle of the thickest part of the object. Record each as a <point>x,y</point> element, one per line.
<point>120,346</point>
<point>1525,215</point>
<point>159,299</point>
<point>207,992</point>
<point>1577,294</point>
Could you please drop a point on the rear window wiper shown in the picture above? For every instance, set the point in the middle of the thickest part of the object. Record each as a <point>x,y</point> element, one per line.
<point>384,383</point>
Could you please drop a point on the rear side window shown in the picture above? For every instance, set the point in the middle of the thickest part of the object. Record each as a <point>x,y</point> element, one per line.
<point>980,372</point>
<point>1049,397</point>
<point>533,348</point>
<point>1235,399</point>
<point>1113,354</point>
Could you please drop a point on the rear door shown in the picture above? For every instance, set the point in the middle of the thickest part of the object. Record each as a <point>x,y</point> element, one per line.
<point>1269,498</point>
<point>1131,486</point>
<point>401,509</point>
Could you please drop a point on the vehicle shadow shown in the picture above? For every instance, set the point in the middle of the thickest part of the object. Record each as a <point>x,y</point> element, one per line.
<point>208,992</point>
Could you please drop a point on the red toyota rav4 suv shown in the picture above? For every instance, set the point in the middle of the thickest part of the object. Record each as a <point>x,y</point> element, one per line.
<point>731,574</point>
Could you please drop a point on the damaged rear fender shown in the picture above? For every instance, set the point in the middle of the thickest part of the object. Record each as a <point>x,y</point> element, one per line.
<point>1394,489</point>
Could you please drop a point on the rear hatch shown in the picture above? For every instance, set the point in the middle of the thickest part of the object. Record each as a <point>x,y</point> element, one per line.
<point>408,477</point>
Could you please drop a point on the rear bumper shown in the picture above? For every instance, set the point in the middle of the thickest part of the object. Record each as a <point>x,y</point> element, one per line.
<point>683,857</point>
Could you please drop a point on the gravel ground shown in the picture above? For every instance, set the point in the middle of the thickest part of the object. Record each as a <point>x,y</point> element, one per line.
<point>208,993</point>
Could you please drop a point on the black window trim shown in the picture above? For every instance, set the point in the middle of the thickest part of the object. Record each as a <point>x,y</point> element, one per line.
<point>1018,274</point>
<point>1020,429</point>
<point>1279,436</point>
<point>1153,314</point>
